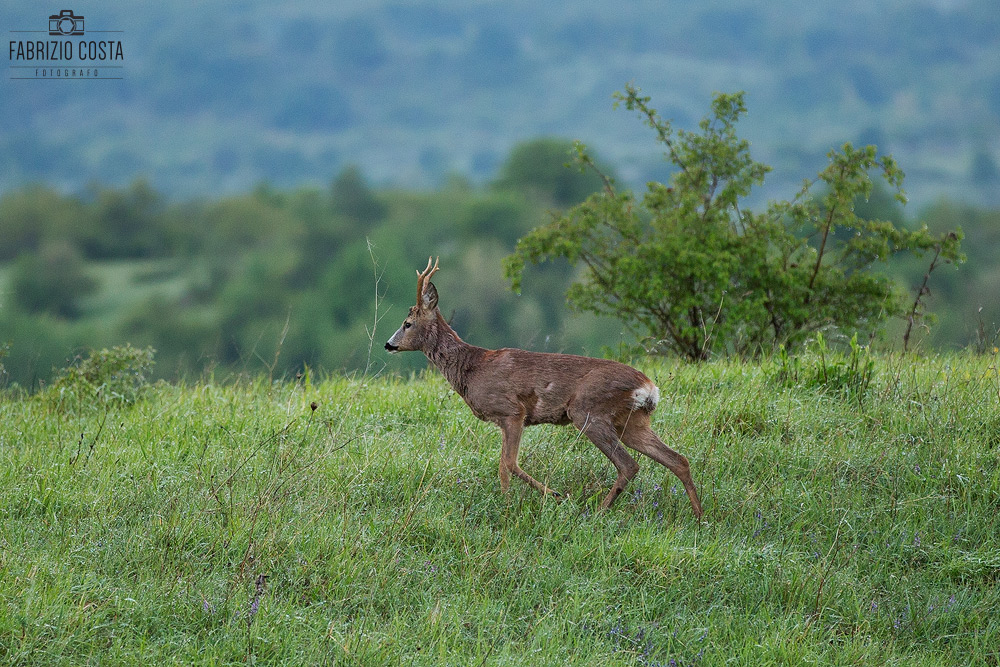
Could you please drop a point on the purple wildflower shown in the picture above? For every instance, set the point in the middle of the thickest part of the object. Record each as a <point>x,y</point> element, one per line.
<point>254,608</point>
<point>259,584</point>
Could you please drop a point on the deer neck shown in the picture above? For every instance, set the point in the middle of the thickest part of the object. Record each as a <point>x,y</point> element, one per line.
<point>452,355</point>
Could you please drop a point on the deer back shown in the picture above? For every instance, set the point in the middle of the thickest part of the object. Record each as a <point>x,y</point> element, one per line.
<point>547,387</point>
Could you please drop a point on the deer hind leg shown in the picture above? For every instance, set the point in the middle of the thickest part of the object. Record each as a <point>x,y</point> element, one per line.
<point>511,428</point>
<point>602,433</point>
<point>639,436</point>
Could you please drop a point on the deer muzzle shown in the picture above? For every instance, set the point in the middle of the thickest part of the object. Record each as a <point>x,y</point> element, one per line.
<point>392,345</point>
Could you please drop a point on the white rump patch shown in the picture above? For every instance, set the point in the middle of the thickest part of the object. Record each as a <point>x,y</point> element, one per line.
<point>646,397</point>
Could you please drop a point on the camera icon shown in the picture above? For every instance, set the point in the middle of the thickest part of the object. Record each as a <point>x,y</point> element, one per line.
<point>65,23</point>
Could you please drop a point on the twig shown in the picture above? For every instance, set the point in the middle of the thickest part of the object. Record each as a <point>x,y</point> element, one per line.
<point>277,349</point>
<point>100,429</point>
<point>708,333</point>
<point>375,315</point>
<point>916,301</point>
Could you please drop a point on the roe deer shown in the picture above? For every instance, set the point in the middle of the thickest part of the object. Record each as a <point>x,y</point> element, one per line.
<point>609,402</point>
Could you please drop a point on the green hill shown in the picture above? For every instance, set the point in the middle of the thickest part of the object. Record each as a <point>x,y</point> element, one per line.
<point>289,93</point>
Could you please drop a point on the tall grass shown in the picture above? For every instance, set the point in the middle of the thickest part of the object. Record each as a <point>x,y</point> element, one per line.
<point>360,521</point>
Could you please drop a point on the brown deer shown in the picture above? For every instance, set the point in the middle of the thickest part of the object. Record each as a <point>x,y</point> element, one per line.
<point>607,401</point>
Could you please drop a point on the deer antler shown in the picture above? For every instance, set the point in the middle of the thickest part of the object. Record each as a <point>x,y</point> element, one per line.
<point>425,276</point>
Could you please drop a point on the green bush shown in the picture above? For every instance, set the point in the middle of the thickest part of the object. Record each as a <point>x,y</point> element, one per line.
<point>692,271</point>
<point>118,375</point>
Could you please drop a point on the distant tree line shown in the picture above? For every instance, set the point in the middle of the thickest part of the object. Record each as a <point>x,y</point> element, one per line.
<point>278,280</point>
<point>274,279</point>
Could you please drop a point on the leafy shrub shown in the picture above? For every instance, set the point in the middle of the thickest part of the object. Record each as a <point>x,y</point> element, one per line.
<point>118,375</point>
<point>692,271</point>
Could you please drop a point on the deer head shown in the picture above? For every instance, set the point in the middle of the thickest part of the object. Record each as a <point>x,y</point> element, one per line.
<point>422,318</point>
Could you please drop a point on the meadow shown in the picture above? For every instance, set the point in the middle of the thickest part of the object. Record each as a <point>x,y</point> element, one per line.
<point>851,517</point>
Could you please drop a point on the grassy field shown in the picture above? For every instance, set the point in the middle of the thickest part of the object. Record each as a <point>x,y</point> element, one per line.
<point>847,522</point>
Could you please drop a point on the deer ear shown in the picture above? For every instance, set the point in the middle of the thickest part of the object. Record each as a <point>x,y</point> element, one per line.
<point>429,299</point>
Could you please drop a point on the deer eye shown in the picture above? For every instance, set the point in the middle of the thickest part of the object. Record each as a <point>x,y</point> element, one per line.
<point>407,325</point>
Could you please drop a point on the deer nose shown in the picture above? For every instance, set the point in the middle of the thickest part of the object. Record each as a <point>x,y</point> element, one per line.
<point>391,348</point>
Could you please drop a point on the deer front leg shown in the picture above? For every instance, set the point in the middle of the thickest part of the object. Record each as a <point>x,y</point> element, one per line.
<point>511,441</point>
<point>511,429</point>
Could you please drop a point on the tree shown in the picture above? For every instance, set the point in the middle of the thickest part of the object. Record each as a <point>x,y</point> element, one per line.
<point>692,271</point>
<point>351,197</point>
<point>53,280</point>
<point>538,168</point>
<point>127,223</point>
<point>33,215</point>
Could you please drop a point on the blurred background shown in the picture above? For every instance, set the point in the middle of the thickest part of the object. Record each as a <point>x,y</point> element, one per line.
<point>263,170</point>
